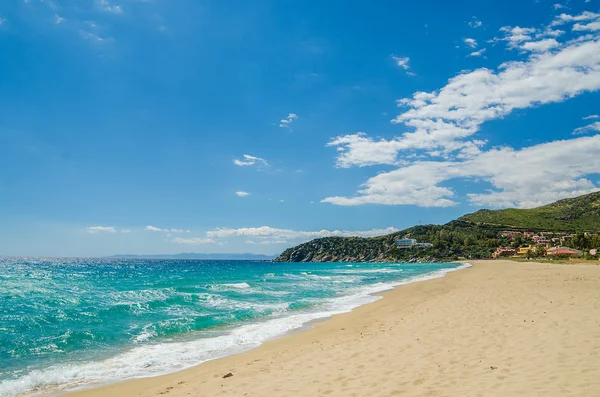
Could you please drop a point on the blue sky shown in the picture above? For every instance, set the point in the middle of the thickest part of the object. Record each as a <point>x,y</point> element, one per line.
<point>153,126</point>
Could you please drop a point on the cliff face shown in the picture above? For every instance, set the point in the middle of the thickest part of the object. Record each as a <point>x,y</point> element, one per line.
<point>341,249</point>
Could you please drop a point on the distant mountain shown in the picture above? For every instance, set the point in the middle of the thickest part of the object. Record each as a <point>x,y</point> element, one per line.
<point>191,255</point>
<point>473,236</point>
<point>579,214</point>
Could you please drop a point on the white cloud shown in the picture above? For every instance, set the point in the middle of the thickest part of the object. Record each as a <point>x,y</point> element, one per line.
<point>100,229</point>
<point>594,127</point>
<point>592,26</point>
<point>558,6</point>
<point>359,149</point>
<point>151,228</point>
<point>242,193</point>
<point>477,53</point>
<point>266,242</point>
<point>106,6</point>
<point>565,18</point>
<point>474,23</point>
<point>287,122</point>
<point>125,231</point>
<point>442,123</point>
<point>540,46</point>
<point>445,120</point>
<point>516,35</point>
<point>549,32</point>
<point>402,62</point>
<point>250,160</point>
<point>471,43</point>
<point>58,19</point>
<point>2,21</point>
<point>591,117</point>
<point>547,172</point>
<point>193,241</point>
<point>278,236</point>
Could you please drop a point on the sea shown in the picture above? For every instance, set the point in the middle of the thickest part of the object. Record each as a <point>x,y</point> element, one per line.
<point>77,323</point>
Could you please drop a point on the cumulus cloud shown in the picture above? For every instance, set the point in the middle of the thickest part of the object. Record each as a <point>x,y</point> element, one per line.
<point>443,121</point>
<point>242,193</point>
<point>565,18</point>
<point>287,122</point>
<point>591,117</point>
<point>267,233</point>
<point>550,171</point>
<point>592,26</point>
<point>151,228</point>
<point>594,127</point>
<point>540,46</point>
<point>250,160</point>
<point>471,43</point>
<point>516,35</point>
<point>100,229</point>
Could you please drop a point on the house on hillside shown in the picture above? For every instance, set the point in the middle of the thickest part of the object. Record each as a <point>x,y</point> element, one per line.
<point>525,250</point>
<point>411,242</point>
<point>504,251</point>
<point>555,251</point>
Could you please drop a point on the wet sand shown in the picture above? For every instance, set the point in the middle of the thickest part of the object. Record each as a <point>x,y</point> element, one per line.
<point>500,328</point>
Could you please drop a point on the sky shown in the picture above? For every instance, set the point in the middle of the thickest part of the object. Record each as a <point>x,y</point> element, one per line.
<point>156,127</point>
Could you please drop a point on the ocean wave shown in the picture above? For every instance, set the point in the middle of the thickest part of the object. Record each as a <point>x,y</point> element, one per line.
<point>236,285</point>
<point>152,356</point>
<point>368,271</point>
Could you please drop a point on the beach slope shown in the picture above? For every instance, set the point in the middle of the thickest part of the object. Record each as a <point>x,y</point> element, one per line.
<point>497,329</point>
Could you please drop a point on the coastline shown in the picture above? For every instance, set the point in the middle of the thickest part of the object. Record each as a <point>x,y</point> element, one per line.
<point>152,360</point>
<point>498,328</point>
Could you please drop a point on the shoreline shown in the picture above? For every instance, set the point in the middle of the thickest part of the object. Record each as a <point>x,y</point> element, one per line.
<point>468,331</point>
<point>375,338</point>
<point>364,296</point>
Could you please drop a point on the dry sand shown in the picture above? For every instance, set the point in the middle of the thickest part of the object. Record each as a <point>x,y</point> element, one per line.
<point>497,329</point>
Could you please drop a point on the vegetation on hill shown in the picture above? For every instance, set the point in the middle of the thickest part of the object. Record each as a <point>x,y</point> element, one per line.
<point>579,214</point>
<point>451,241</point>
<point>473,236</point>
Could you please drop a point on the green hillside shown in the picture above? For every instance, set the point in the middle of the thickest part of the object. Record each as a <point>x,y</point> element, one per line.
<point>472,236</point>
<point>579,214</point>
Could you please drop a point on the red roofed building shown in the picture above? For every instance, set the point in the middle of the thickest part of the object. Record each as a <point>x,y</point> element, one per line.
<point>504,251</point>
<point>563,251</point>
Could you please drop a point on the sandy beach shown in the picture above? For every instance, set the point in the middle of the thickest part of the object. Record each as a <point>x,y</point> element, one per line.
<point>500,328</point>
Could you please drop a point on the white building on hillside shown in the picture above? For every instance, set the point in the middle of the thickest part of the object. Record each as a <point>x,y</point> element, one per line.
<point>410,242</point>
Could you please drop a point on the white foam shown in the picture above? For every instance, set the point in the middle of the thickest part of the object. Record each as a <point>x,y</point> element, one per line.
<point>367,271</point>
<point>236,285</point>
<point>156,359</point>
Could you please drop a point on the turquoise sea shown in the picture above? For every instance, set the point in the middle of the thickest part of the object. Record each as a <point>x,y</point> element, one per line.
<point>70,323</point>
